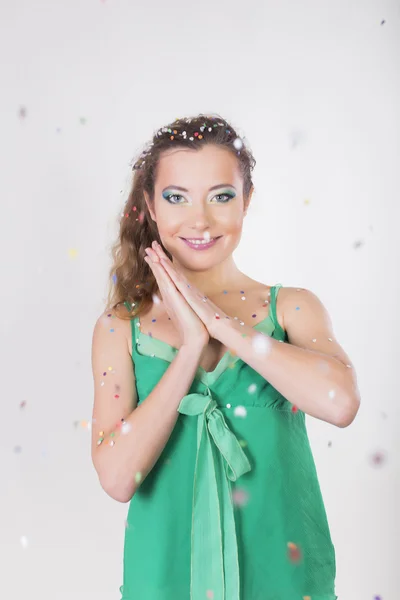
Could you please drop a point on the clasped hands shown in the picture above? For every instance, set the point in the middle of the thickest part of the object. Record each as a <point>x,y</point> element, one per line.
<point>208,312</point>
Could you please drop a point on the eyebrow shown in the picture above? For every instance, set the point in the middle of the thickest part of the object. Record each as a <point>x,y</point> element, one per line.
<point>214,187</point>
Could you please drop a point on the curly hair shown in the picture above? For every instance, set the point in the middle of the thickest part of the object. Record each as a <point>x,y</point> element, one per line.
<point>131,280</point>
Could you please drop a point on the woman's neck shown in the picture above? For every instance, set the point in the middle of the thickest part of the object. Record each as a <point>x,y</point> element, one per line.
<point>215,281</point>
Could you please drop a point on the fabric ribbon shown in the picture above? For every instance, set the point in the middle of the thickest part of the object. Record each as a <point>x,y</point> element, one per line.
<point>214,550</point>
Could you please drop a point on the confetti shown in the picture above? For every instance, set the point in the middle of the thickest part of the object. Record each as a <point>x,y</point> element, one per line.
<point>24,541</point>
<point>240,411</point>
<point>297,138</point>
<point>125,428</point>
<point>294,553</point>
<point>261,344</point>
<point>240,497</point>
<point>378,458</point>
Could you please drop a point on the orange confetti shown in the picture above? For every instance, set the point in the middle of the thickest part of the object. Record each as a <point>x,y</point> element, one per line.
<point>294,552</point>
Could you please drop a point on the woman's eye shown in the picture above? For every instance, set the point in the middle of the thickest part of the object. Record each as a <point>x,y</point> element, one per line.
<point>228,196</point>
<point>169,196</point>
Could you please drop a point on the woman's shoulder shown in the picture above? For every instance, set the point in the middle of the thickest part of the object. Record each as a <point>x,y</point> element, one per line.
<point>286,297</point>
<point>119,320</point>
<point>282,293</point>
<point>287,300</point>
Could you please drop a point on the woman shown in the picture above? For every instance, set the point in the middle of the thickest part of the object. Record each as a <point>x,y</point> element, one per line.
<point>199,409</point>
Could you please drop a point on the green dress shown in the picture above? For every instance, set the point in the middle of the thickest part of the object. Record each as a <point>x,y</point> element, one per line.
<point>232,509</point>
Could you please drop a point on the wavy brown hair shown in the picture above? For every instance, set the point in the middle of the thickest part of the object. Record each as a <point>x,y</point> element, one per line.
<point>131,279</point>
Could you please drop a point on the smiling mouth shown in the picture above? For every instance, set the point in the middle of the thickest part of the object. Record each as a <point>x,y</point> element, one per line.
<point>206,241</point>
<point>200,243</point>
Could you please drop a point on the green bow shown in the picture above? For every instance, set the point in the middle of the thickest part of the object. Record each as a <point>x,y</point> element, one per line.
<point>214,552</point>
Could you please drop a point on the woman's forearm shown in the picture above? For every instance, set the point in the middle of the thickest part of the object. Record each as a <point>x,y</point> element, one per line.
<point>317,384</point>
<point>128,461</point>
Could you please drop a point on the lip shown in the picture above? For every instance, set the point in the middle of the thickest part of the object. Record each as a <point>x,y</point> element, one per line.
<point>216,237</point>
<point>201,246</point>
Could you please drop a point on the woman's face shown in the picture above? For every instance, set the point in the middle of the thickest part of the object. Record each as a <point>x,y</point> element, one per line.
<point>199,194</point>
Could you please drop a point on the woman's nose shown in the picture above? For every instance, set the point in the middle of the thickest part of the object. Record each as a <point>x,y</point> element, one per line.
<point>200,218</point>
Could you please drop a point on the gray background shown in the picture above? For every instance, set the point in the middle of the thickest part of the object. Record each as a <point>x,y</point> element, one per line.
<point>314,86</point>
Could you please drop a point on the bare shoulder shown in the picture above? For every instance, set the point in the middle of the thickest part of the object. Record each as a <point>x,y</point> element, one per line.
<point>263,294</point>
<point>286,299</point>
<point>293,298</point>
<point>110,320</point>
<point>309,324</point>
<point>288,302</point>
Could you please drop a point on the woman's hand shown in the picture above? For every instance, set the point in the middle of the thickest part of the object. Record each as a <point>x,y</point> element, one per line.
<point>191,329</point>
<point>206,310</point>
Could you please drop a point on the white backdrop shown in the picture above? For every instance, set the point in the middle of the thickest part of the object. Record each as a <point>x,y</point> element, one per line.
<point>314,86</point>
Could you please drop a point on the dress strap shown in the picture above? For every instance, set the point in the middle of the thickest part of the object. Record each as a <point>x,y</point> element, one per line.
<point>134,323</point>
<point>129,306</point>
<point>274,293</point>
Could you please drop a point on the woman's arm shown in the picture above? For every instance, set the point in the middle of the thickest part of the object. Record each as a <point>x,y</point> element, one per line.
<point>121,467</point>
<point>312,371</point>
